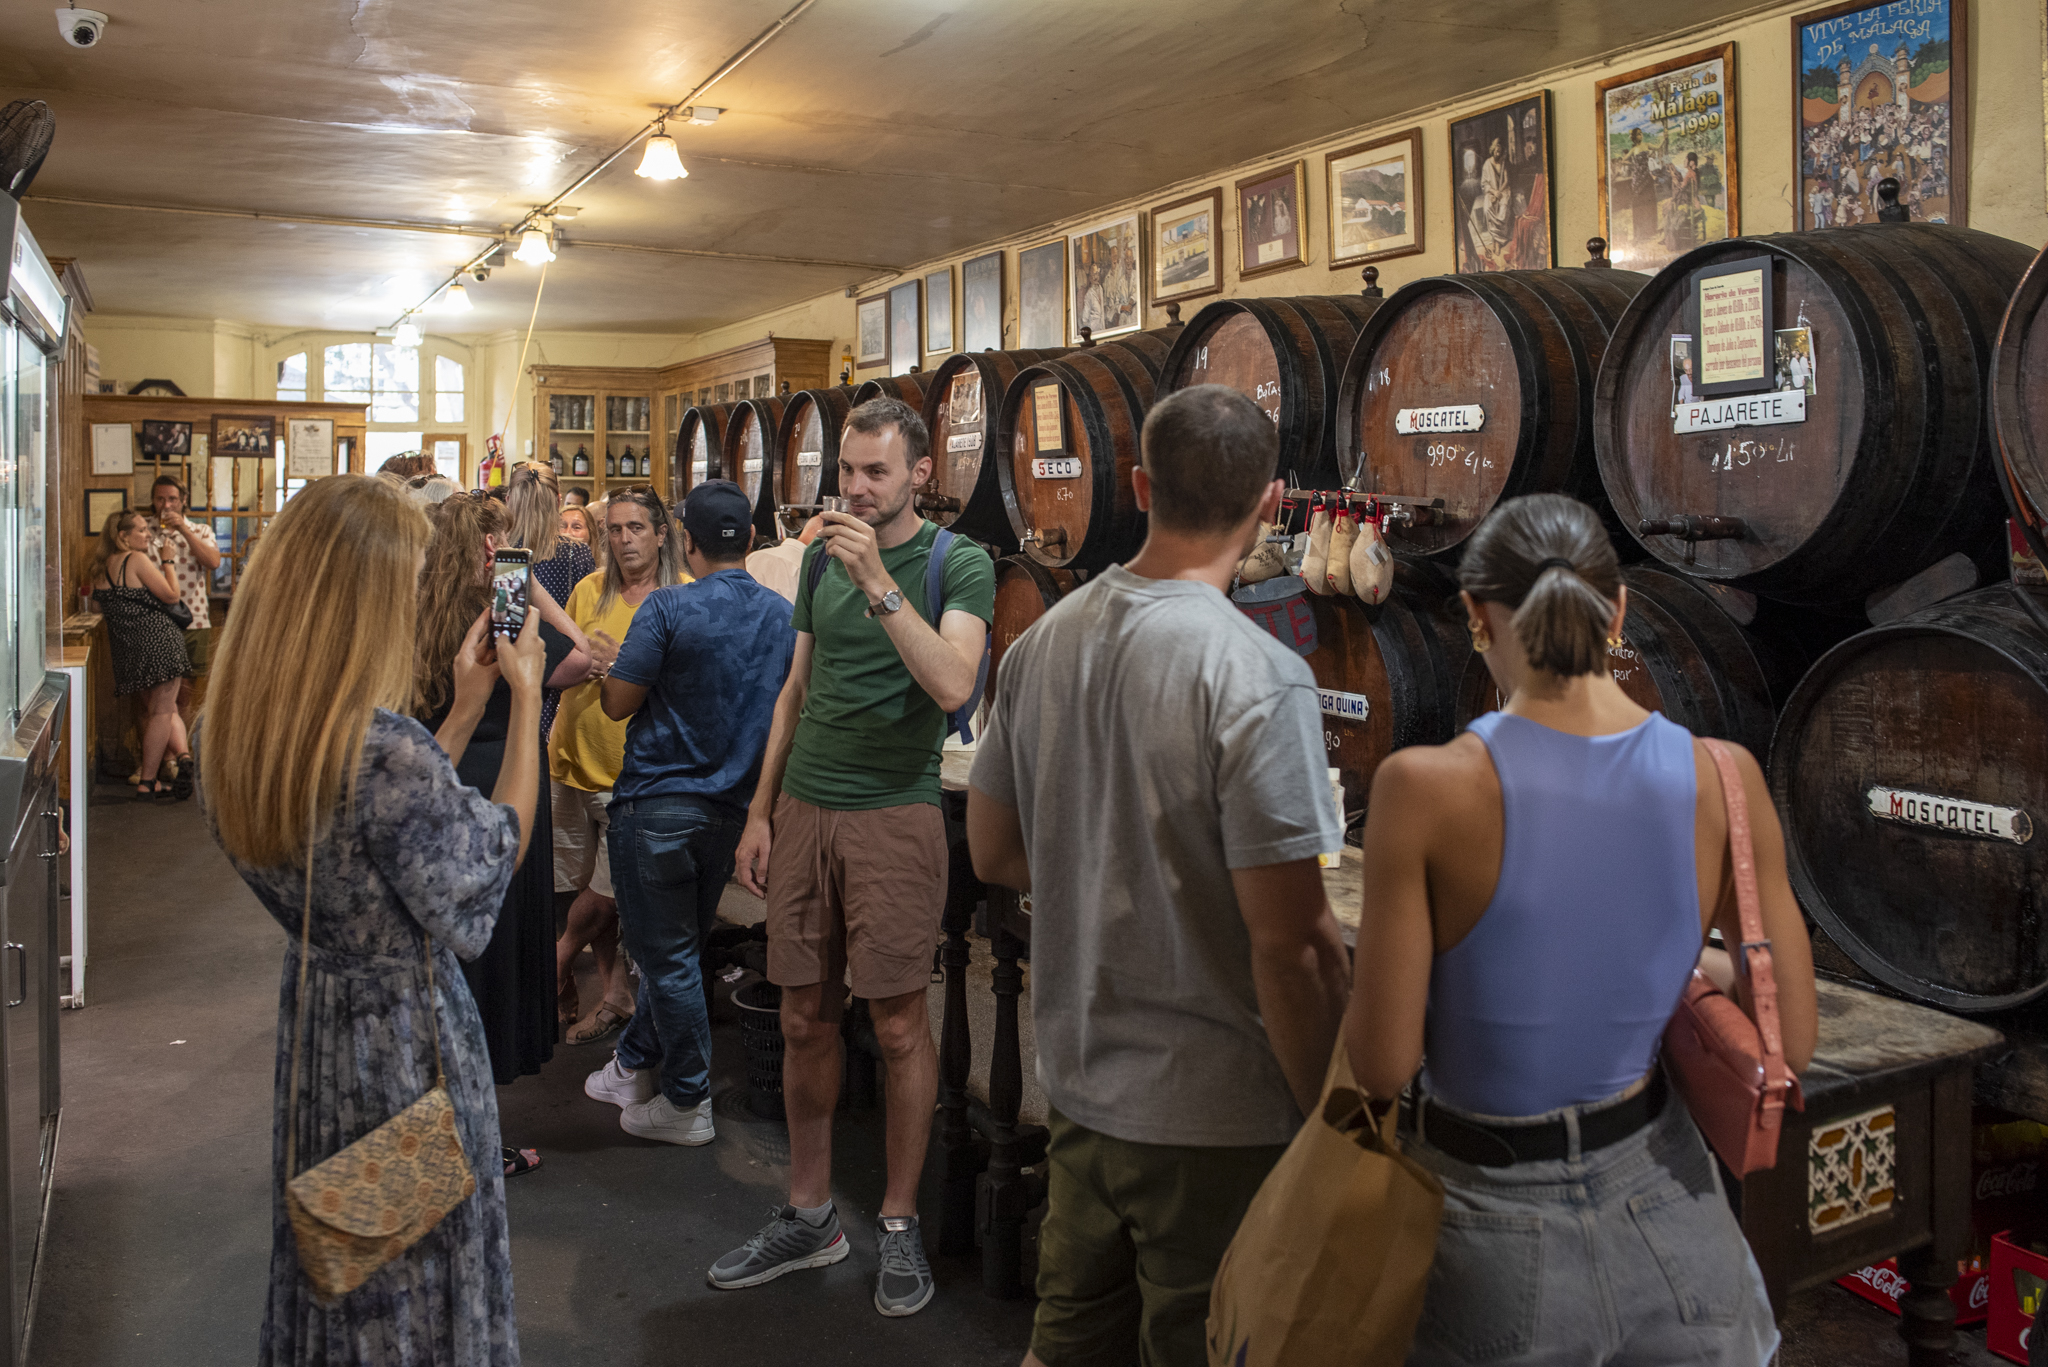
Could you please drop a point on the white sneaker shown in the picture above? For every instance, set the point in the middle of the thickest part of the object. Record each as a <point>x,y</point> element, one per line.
<point>662,1119</point>
<point>617,1085</point>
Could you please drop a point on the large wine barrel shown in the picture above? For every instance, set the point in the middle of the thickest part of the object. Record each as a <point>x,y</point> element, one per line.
<point>808,443</point>
<point>1891,468</point>
<point>1285,355</point>
<point>2019,405</point>
<point>1071,430</point>
<point>1025,592</point>
<point>746,460</point>
<point>1520,347</point>
<point>700,446</point>
<point>960,410</point>
<point>1388,677</point>
<point>1912,775</point>
<point>909,388</point>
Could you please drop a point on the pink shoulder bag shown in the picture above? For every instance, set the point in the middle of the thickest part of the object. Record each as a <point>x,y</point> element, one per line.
<point>1731,1070</point>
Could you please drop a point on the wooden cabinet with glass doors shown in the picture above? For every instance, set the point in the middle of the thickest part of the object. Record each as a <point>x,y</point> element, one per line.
<point>596,427</point>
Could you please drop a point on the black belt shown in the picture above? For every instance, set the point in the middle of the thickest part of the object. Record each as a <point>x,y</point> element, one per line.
<point>1499,1146</point>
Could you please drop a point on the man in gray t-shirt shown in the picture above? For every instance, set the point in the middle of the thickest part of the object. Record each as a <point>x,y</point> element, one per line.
<point>1153,773</point>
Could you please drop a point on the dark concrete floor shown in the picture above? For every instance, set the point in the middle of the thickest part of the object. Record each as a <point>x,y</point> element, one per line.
<point>159,1237</point>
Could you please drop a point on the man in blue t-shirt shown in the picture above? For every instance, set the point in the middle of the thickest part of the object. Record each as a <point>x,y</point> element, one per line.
<point>698,675</point>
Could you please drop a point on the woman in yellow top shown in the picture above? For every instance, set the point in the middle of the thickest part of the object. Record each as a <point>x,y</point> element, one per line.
<point>586,749</point>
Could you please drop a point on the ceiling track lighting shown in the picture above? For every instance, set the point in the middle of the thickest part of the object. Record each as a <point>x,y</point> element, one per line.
<point>659,161</point>
<point>407,333</point>
<point>456,300</point>
<point>535,247</point>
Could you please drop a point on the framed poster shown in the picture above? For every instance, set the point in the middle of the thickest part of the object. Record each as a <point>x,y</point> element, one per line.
<point>1374,192</point>
<point>161,438</point>
<point>113,448</point>
<point>1731,312</point>
<point>904,329</point>
<point>309,448</point>
<point>1667,158</point>
<point>1270,234</point>
<point>245,436</point>
<point>100,504</point>
<point>1108,288</point>
<point>1501,218</point>
<point>938,311</point>
<point>871,329</point>
<point>1187,255</point>
<point>1881,91</point>
<point>981,303</point>
<point>1042,296</point>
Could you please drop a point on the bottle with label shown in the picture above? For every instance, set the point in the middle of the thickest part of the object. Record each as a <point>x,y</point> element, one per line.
<point>555,457</point>
<point>611,466</point>
<point>629,464</point>
<point>582,462</point>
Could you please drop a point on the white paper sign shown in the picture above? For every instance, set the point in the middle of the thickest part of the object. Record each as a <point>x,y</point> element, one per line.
<point>1951,814</point>
<point>1056,467</point>
<point>1751,410</point>
<point>309,448</point>
<point>1344,706</point>
<point>1463,417</point>
<point>113,448</point>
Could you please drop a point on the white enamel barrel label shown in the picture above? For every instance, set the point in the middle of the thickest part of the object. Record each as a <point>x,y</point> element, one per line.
<point>809,460</point>
<point>1056,467</point>
<point>1754,410</point>
<point>1463,417</point>
<point>1951,814</point>
<point>1344,706</point>
<point>752,467</point>
<point>964,441</point>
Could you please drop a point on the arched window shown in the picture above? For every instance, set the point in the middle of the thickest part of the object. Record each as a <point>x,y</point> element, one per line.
<point>417,396</point>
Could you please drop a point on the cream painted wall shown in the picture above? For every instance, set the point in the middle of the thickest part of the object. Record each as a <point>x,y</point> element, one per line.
<point>205,357</point>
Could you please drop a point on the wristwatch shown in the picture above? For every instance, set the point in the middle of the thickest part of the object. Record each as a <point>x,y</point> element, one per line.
<point>892,601</point>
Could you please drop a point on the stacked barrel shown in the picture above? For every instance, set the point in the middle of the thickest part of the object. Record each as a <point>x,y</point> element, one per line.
<point>700,447</point>
<point>749,438</point>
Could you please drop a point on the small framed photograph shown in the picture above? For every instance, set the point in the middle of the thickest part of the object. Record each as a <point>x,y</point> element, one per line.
<point>1667,158</point>
<point>1108,286</point>
<point>938,311</point>
<point>100,504</point>
<point>1042,296</point>
<point>1374,193</point>
<point>1270,233</point>
<point>234,434</point>
<point>161,439</point>
<point>981,303</point>
<point>1501,209</point>
<point>904,352</point>
<point>1187,256</point>
<point>1881,91</point>
<point>871,321</point>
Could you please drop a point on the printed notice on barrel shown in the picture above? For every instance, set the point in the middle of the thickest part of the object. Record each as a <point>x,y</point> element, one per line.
<point>1733,328</point>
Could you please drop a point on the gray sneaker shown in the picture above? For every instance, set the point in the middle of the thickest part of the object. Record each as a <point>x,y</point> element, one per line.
<point>785,1244</point>
<point>904,1285</point>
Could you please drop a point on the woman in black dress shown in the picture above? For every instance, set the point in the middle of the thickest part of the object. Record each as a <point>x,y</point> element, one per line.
<point>513,980</point>
<point>533,507</point>
<point>149,648</point>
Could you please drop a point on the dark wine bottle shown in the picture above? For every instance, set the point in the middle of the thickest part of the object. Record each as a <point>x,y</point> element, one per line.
<point>582,465</point>
<point>611,466</point>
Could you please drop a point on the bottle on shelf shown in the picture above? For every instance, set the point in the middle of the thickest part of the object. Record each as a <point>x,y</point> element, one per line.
<point>582,464</point>
<point>555,457</point>
<point>611,466</point>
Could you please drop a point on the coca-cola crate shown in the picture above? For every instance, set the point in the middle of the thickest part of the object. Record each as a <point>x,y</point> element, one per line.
<point>1883,1284</point>
<point>2019,1276</point>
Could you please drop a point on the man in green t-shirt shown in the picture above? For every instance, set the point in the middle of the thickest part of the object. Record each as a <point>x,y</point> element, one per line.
<point>845,839</point>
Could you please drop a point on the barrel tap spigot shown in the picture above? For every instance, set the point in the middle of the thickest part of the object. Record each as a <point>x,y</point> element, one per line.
<point>1693,528</point>
<point>1043,539</point>
<point>937,503</point>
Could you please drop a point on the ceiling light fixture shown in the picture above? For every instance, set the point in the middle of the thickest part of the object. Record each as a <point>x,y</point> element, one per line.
<point>703,115</point>
<point>659,161</point>
<point>407,333</point>
<point>534,248</point>
<point>456,300</point>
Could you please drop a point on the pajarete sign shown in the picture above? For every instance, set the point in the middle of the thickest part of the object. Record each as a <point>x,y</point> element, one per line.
<point>1951,814</point>
<point>1758,410</point>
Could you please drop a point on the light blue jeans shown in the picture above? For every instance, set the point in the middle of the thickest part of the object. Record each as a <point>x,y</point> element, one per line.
<point>1626,1255</point>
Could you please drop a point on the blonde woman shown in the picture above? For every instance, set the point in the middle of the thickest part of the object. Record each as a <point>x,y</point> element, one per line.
<point>308,756</point>
<point>132,592</point>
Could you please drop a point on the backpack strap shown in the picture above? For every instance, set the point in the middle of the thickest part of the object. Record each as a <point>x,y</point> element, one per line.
<point>818,568</point>
<point>960,721</point>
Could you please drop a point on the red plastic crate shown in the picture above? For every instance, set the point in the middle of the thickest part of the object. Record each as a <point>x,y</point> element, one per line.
<point>2019,1277</point>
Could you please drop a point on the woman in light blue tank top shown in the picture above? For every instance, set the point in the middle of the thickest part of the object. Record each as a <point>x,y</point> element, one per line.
<point>1539,893</point>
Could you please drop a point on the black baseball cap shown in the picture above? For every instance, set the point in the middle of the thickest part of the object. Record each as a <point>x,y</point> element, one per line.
<point>717,515</point>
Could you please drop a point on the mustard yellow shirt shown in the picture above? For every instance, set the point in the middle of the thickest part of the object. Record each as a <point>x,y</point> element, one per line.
<point>587,747</point>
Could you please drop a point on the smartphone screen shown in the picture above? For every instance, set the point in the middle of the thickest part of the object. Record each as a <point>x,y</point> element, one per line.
<point>511,572</point>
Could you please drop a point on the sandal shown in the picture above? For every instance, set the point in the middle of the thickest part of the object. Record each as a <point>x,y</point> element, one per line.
<point>148,790</point>
<point>602,1025</point>
<point>567,1009</point>
<point>518,1161</point>
<point>181,779</point>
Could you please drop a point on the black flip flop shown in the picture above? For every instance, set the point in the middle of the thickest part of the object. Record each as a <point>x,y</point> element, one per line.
<point>519,1161</point>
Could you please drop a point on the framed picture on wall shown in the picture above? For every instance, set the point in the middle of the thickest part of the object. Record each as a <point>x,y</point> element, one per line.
<point>100,504</point>
<point>1880,92</point>
<point>235,434</point>
<point>1667,158</point>
<point>981,303</point>
<point>1501,215</point>
<point>905,355</point>
<point>1108,286</point>
<point>938,311</point>
<point>871,328</point>
<point>161,439</point>
<point>1270,234</point>
<point>1187,248</point>
<point>1042,296</point>
<point>1374,192</point>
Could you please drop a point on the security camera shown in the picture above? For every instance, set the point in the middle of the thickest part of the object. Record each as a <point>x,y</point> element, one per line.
<point>481,274</point>
<point>81,27</point>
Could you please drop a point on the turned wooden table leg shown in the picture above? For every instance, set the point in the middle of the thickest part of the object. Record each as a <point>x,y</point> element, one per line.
<point>959,1158</point>
<point>1002,1253</point>
<point>1927,1317</point>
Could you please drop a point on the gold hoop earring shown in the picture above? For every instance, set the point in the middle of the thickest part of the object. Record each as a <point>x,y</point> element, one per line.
<point>1615,642</point>
<point>1482,639</point>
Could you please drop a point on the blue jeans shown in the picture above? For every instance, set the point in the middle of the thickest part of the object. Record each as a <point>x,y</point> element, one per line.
<point>671,857</point>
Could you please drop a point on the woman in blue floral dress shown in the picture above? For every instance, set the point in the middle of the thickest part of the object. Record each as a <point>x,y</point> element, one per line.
<point>304,715</point>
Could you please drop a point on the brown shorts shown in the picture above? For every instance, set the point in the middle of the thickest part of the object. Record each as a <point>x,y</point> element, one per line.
<point>859,890</point>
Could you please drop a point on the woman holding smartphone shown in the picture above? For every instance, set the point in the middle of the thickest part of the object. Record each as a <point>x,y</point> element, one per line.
<point>309,756</point>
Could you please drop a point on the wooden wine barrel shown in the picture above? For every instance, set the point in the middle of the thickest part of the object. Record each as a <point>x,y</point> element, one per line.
<point>808,442</point>
<point>960,410</point>
<point>1891,469</point>
<point>1519,347</point>
<point>1071,430</point>
<point>1388,678</point>
<point>1911,773</point>
<point>749,439</point>
<point>2019,405</point>
<point>909,388</point>
<point>1025,592</point>
<point>1284,354</point>
<point>700,447</point>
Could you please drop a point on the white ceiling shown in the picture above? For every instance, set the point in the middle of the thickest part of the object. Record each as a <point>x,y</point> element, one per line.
<point>866,136</point>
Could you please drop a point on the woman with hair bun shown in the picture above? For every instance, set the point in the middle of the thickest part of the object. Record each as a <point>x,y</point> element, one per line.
<point>1541,890</point>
